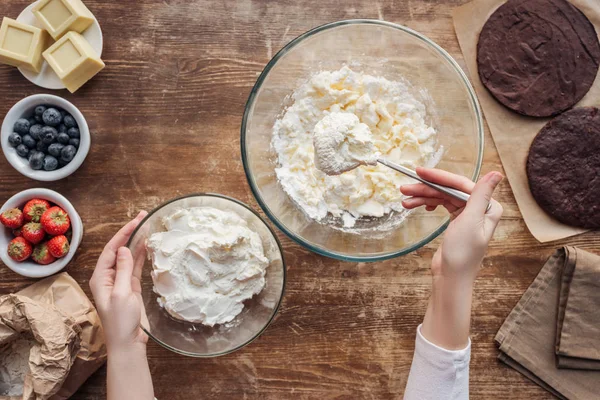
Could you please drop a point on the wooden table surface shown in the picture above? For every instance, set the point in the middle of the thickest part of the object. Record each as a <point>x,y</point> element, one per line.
<point>165,118</point>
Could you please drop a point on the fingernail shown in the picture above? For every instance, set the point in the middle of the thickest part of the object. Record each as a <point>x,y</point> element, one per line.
<point>497,178</point>
<point>141,214</point>
<point>123,253</point>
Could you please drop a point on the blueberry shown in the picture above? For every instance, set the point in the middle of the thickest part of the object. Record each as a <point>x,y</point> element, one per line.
<point>74,142</point>
<point>23,150</point>
<point>67,153</point>
<point>37,160</point>
<point>62,163</point>
<point>41,147</point>
<point>73,133</point>
<point>36,131</point>
<point>31,154</point>
<point>70,121</point>
<point>22,126</point>
<point>32,121</point>
<point>54,149</point>
<point>50,163</point>
<point>15,139</point>
<point>62,112</point>
<point>49,134</point>
<point>29,141</point>
<point>38,119</point>
<point>63,138</point>
<point>52,117</point>
<point>39,110</point>
<point>62,128</point>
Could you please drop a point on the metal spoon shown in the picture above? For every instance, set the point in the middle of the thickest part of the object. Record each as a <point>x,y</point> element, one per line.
<point>457,194</point>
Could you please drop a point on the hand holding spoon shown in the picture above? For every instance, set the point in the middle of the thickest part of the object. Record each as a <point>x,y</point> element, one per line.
<point>342,143</point>
<point>457,194</point>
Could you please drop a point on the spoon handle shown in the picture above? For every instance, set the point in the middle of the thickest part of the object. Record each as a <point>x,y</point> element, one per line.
<point>457,194</point>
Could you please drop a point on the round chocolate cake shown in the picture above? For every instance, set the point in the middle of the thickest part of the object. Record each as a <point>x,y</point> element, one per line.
<point>538,57</point>
<point>563,167</point>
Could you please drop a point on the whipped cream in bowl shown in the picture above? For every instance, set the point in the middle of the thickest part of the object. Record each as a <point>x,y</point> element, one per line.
<point>212,274</point>
<point>206,264</point>
<point>328,140</point>
<point>416,101</point>
<point>343,143</point>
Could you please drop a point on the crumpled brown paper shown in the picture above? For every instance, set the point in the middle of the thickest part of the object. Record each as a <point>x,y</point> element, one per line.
<point>70,341</point>
<point>513,133</point>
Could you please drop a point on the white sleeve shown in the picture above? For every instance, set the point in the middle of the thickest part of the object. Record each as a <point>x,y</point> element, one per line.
<point>437,373</point>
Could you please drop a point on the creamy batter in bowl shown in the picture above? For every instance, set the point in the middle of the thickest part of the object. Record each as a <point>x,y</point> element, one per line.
<point>213,274</point>
<point>352,118</point>
<point>206,264</point>
<point>379,50</point>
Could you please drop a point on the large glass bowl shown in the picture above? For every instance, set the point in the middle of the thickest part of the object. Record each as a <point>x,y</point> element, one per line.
<point>197,340</point>
<point>376,48</point>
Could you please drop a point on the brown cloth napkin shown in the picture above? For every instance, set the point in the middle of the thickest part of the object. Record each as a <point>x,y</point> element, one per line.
<point>552,336</point>
<point>578,320</point>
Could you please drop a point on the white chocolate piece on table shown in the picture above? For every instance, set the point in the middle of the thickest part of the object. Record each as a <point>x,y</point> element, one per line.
<point>74,60</point>
<point>21,45</point>
<point>62,16</point>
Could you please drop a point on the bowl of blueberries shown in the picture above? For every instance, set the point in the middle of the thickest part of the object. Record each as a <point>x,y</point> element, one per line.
<point>45,137</point>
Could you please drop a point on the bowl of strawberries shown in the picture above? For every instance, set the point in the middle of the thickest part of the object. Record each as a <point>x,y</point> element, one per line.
<point>39,234</point>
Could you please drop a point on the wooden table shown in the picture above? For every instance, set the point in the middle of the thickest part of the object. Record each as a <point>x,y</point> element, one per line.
<point>165,117</point>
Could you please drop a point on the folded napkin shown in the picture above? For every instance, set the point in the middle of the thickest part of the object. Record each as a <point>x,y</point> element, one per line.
<point>552,336</point>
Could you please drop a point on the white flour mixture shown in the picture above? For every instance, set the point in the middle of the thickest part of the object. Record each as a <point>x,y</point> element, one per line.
<point>14,365</point>
<point>400,134</point>
<point>342,143</point>
<point>206,265</point>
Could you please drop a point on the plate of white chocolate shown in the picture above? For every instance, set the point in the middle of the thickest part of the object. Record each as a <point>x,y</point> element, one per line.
<point>55,44</point>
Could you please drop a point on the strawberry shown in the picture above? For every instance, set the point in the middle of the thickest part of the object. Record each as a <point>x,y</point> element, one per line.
<point>12,218</point>
<point>33,232</point>
<point>19,249</point>
<point>55,221</point>
<point>58,246</point>
<point>69,234</point>
<point>18,232</point>
<point>41,255</point>
<point>34,209</point>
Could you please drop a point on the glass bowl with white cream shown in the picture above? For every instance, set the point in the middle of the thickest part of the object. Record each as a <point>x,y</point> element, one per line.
<point>212,274</point>
<point>362,78</point>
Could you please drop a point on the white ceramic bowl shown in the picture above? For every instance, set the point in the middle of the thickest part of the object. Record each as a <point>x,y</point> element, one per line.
<point>47,78</point>
<point>29,268</point>
<point>24,108</point>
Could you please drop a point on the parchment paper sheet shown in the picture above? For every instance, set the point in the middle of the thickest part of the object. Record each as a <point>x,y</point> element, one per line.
<point>513,133</point>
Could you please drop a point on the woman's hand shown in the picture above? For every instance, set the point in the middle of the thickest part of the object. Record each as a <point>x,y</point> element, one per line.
<point>457,261</point>
<point>118,294</point>
<point>117,291</point>
<point>471,229</point>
